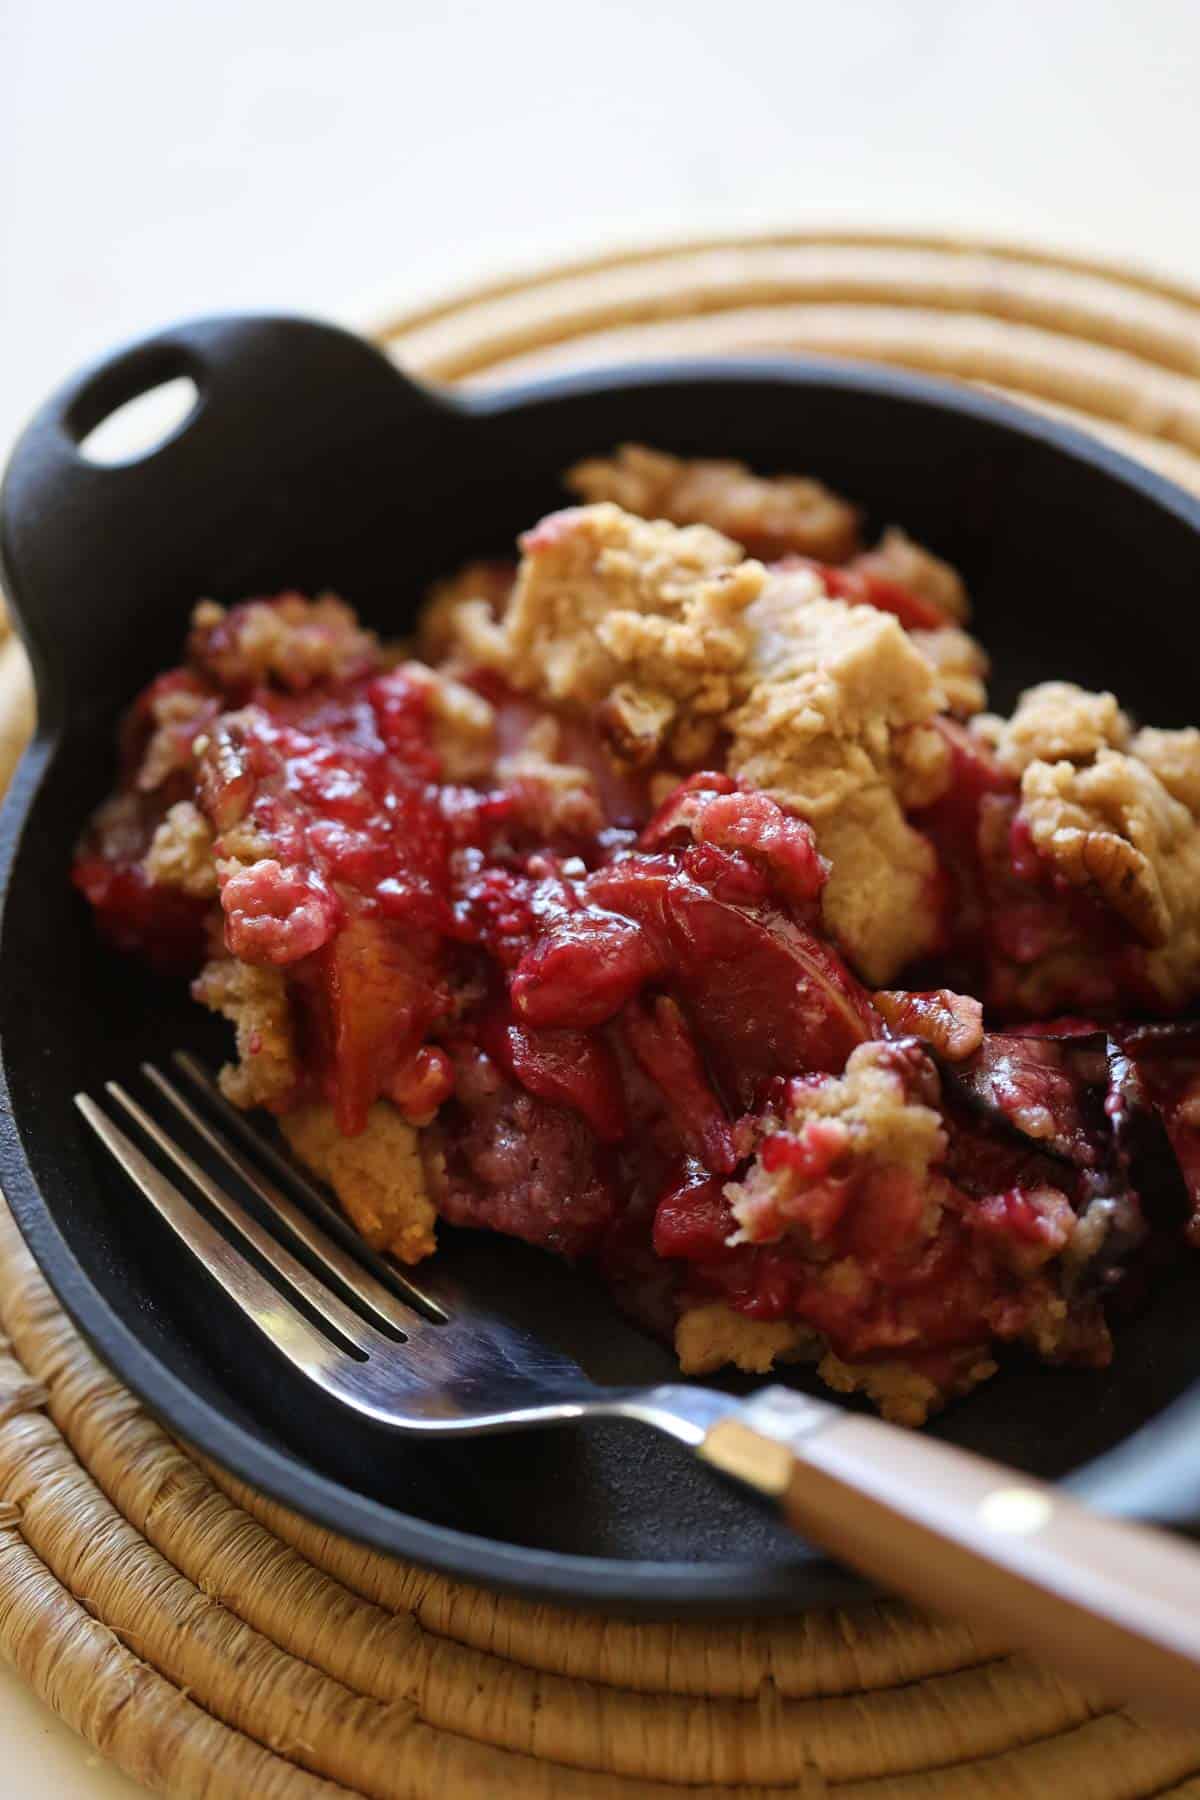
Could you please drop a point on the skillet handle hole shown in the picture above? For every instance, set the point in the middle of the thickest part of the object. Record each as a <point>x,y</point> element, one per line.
<point>112,432</point>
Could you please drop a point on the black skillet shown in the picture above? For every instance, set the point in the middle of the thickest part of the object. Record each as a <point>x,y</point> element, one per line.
<point>309,462</point>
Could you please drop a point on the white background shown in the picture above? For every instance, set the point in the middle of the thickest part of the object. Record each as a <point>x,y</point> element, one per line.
<point>164,157</point>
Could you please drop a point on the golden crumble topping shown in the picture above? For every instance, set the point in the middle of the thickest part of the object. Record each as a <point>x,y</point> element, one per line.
<point>1054,721</point>
<point>868,1113</point>
<point>611,612</point>
<point>903,1394</point>
<point>291,640</point>
<point>255,1002</point>
<point>1113,813</point>
<point>377,1175</point>
<point>457,606</point>
<point>897,558</point>
<point>961,665</point>
<point>181,852</point>
<point>169,749</point>
<point>874,1105</point>
<point>1174,756</point>
<point>857,665</point>
<point>837,726</point>
<point>1113,828</point>
<point>464,723</point>
<point>878,902</point>
<point>769,515</point>
<point>875,1126</point>
<point>714,1336</point>
<point>552,795</point>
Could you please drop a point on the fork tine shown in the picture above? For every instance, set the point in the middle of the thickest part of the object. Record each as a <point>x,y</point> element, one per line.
<point>365,1284</point>
<point>274,1315</point>
<point>323,1300</point>
<point>361,1283</point>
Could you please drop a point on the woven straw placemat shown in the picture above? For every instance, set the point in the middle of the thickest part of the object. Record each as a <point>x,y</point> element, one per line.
<point>216,1646</point>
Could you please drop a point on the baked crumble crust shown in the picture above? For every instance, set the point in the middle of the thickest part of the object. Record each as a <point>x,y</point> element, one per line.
<point>552,795</point>
<point>961,665</point>
<point>290,640</point>
<point>881,1102</point>
<point>1053,722</point>
<point>715,1336</point>
<point>377,1175</point>
<point>181,852</point>
<point>464,723</point>
<point>770,516</point>
<point>903,1394</point>
<point>176,715</point>
<point>874,1114</point>
<point>880,900</point>
<point>472,598</point>
<point>1112,814</point>
<point>897,558</point>
<point>1174,757</point>
<point>636,621</point>
<point>837,726</point>
<point>1113,828</point>
<point>255,1001</point>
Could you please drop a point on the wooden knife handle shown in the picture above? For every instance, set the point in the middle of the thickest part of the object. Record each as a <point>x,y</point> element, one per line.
<point>1115,1605</point>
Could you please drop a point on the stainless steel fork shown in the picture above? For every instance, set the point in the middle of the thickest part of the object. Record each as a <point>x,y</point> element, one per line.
<point>1115,1603</point>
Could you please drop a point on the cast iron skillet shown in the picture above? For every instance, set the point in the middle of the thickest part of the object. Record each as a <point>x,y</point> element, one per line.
<point>308,461</point>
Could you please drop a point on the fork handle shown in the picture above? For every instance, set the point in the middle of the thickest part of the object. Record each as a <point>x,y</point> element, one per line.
<point>1114,1604</point>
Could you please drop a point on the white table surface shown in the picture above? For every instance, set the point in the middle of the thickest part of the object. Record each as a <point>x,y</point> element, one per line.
<point>164,159</point>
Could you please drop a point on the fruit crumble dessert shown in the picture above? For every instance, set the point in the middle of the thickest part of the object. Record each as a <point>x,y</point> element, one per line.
<point>672,901</point>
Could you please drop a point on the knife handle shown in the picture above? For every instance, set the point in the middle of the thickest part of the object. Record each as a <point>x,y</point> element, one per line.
<point>1115,1605</point>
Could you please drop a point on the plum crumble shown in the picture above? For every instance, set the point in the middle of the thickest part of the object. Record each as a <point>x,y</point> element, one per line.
<point>676,904</point>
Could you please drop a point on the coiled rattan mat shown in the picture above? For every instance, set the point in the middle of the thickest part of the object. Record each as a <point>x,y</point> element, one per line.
<point>213,1644</point>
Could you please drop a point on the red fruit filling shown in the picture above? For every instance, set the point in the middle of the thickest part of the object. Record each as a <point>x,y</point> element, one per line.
<point>623,1030</point>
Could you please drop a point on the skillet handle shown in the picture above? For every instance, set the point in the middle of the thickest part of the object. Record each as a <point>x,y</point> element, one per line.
<point>1115,1604</point>
<point>282,454</point>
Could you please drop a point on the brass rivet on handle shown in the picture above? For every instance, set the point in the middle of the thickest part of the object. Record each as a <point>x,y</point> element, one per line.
<point>1019,1511</point>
